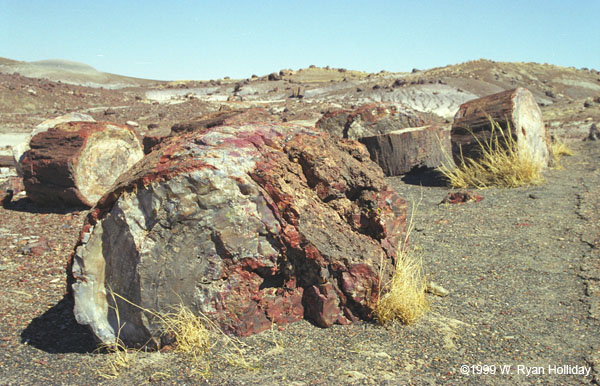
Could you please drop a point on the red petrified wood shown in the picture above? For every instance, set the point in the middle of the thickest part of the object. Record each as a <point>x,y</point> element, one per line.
<point>75,163</point>
<point>250,225</point>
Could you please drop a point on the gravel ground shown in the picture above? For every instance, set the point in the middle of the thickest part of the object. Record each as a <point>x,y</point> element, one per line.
<point>522,267</point>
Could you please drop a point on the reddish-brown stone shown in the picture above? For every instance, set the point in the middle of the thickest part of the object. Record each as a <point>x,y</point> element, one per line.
<point>74,163</point>
<point>369,120</point>
<point>223,118</point>
<point>280,223</point>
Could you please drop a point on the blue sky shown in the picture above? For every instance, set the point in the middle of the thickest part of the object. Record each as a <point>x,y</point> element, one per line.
<point>212,39</point>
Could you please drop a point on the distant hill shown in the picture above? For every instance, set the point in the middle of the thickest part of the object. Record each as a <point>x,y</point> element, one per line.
<point>70,72</point>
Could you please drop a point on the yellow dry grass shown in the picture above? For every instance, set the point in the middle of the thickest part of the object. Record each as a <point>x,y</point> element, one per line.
<point>501,164</point>
<point>119,357</point>
<point>192,335</point>
<point>403,298</point>
<point>559,149</point>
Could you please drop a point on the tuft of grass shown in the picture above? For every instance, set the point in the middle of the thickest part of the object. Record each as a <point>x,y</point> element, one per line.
<point>501,164</point>
<point>405,298</point>
<point>192,336</point>
<point>559,149</point>
<point>119,357</point>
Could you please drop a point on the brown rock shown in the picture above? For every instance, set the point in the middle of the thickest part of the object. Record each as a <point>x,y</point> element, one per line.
<point>225,117</point>
<point>75,163</point>
<point>369,120</point>
<point>249,224</point>
<point>461,197</point>
<point>398,152</point>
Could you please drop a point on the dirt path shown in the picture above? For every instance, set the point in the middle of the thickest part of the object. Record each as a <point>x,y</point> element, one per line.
<point>523,268</point>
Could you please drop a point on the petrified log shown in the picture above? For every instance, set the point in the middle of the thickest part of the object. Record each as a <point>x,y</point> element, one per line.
<point>75,163</point>
<point>224,118</point>
<point>155,138</point>
<point>398,152</point>
<point>7,161</point>
<point>515,110</point>
<point>250,225</point>
<point>19,150</point>
<point>369,120</point>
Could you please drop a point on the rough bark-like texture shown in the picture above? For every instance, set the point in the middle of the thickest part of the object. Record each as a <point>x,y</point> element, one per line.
<point>369,120</point>
<point>224,118</point>
<point>19,151</point>
<point>398,152</point>
<point>251,225</point>
<point>7,161</point>
<point>155,138</point>
<point>75,163</point>
<point>516,109</point>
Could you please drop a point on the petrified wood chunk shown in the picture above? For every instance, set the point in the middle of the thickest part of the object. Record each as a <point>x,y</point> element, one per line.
<point>75,163</point>
<point>369,120</point>
<point>19,150</point>
<point>398,152</point>
<point>516,109</point>
<point>250,225</point>
<point>224,118</point>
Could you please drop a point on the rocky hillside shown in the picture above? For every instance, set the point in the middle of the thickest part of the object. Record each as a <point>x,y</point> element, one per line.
<point>570,98</point>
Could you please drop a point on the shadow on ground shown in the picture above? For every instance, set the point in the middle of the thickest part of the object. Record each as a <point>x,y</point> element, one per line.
<point>57,331</point>
<point>425,177</point>
<point>26,205</point>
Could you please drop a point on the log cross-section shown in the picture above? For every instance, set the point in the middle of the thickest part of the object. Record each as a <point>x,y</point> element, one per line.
<point>75,163</point>
<point>514,110</point>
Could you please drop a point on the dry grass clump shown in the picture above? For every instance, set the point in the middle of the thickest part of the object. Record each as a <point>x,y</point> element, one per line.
<point>405,298</point>
<point>192,336</point>
<point>119,357</point>
<point>500,165</point>
<point>559,149</point>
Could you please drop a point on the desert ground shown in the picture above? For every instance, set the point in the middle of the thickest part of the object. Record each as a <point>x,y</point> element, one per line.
<point>522,266</point>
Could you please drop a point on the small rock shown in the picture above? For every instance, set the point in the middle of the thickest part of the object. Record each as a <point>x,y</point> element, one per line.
<point>399,83</point>
<point>31,91</point>
<point>461,197</point>
<point>436,289</point>
<point>109,112</point>
<point>132,123</point>
<point>534,196</point>
<point>594,133</point>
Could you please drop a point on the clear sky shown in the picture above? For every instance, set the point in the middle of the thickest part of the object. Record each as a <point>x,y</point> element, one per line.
<point>212,39</point>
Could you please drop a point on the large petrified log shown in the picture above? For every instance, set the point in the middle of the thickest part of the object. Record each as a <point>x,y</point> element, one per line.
<point>369,120</point>
<point>19,150</point>
<point>75,163</point>
<point>515,110</point>
<point>224,118</point>
<point>219,118</point>
<point>250,225</point>
<point>395,136</point>
<point>398,152</point>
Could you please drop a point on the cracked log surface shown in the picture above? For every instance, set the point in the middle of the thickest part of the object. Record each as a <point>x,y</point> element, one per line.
<point>369,120</point>
<point>75,163</point>
<point>515,108</point>
<point>400,151</point>
<point>250,225</point>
